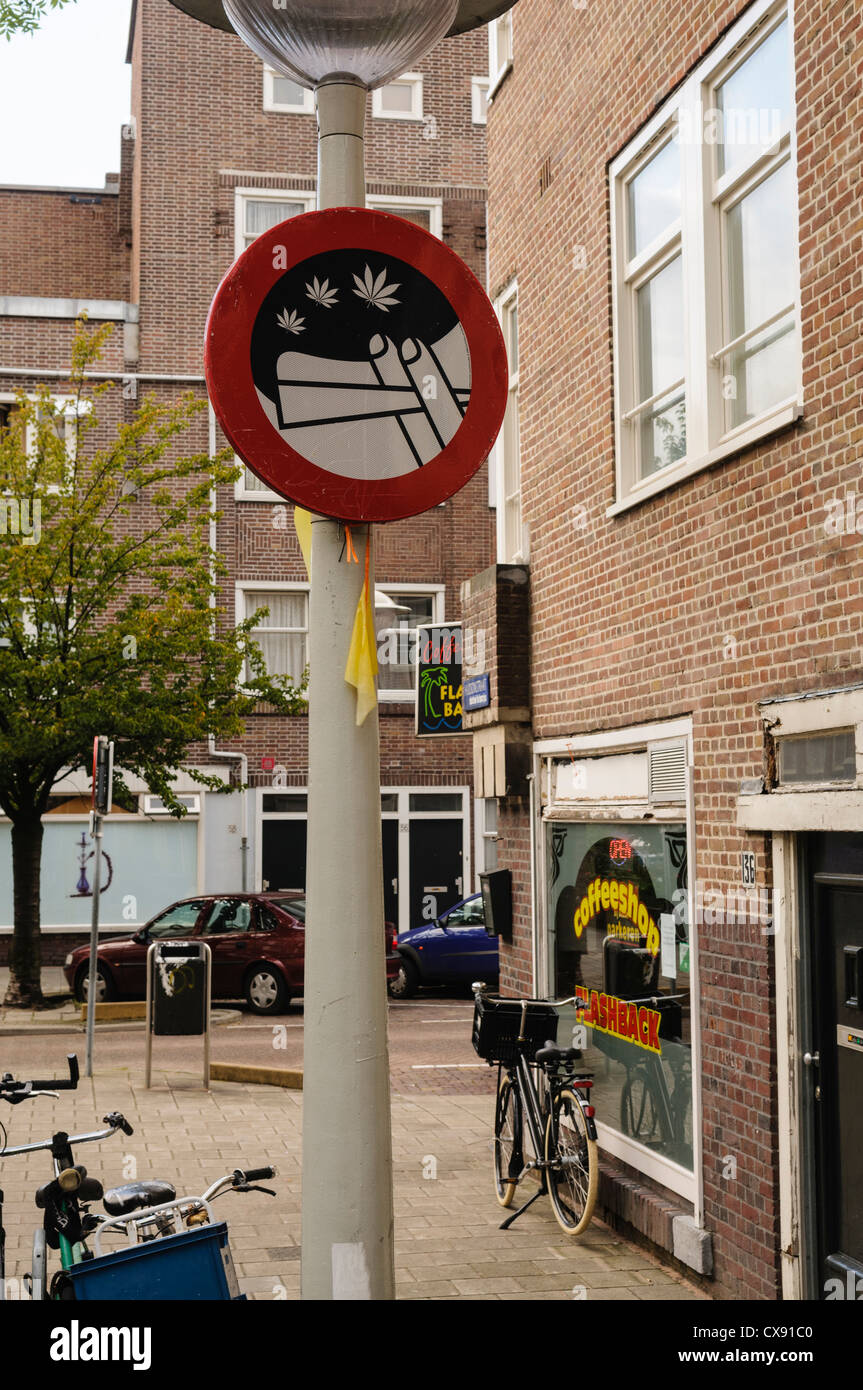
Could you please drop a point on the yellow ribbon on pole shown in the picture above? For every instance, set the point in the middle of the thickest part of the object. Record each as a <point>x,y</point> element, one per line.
<point>362,663</point>
<point>362,666</point>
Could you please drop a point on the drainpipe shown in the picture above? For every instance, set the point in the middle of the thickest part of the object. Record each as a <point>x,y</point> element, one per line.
<point>223,754</point>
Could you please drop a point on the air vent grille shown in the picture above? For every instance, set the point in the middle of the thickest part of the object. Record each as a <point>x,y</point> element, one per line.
<point>667,772</point>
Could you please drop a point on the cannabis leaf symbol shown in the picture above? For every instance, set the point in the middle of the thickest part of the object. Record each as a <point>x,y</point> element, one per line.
<point>290,322</point>
<point>321,294</point>
<point>374,291</point>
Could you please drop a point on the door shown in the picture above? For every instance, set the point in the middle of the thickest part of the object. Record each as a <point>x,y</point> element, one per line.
<point>283,854</point>
<point>227,930</point>
<point>390,839</point>
<point>835,1062</point>
<point>465,951</point>
<point>436,867</point>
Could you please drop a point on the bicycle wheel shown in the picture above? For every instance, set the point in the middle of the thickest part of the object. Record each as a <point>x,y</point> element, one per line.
<point>573,1172</point>
<point>507,1139</point>
<point>638,1114</point>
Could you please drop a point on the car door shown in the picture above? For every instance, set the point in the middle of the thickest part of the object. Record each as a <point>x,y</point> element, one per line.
<point>130,964</point>
<point>465,951</point>
<point>227,930</point>
<point>283,938</point>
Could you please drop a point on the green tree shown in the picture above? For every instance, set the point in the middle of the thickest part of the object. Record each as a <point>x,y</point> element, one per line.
<point>108,617</point>
<point>25,16</point>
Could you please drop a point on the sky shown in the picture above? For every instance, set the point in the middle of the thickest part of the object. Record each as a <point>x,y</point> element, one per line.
<point>64,94</point>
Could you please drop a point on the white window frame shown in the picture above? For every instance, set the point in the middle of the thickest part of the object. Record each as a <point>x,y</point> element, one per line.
<point>499,54</point>
<point>72,409</point>
<point>242,196</point>
<point>479,89</point>
<point>517,553</point>
<point>304,108</point>
<point>703,200</point>
<point>437,593</point>
<point>391,202</point>
<point>413,80</point>
<point>245,587</point>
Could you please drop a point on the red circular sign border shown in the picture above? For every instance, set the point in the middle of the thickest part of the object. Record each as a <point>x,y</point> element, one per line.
<point>228,368</point>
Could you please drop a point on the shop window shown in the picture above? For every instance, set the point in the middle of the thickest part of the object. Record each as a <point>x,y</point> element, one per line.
<point>619,939</point>
<point>706,282</point>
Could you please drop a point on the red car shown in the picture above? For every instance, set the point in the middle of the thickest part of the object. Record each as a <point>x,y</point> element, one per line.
<point>257,941</point>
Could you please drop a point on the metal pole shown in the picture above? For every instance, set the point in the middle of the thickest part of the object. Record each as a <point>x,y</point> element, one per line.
<point>94,943</point>
<point>347,1245</point>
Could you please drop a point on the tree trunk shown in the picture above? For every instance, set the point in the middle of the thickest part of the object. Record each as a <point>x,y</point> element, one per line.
<point>25,979</point>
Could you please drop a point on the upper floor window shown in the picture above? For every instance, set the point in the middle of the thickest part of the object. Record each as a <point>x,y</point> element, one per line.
<point>499,49</point>
<point>479,100</point>
<point>401,99</point>
<point>398,614</point>
<point>512,544</point>
<point>284,94</point>
<point>706,280</point>
<point>283,633</point>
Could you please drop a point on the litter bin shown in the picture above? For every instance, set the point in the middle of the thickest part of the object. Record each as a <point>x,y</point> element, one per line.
<point>178,995</point>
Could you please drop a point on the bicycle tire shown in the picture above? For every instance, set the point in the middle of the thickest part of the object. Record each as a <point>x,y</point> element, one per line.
<point>507,1134</point>
<point>572,1187</point>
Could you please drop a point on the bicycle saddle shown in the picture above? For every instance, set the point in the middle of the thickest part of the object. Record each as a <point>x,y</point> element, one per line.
<point>121,1200</point>
<point>552,1053</point>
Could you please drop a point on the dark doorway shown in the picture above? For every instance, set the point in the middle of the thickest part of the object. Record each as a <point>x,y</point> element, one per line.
<point>834,1066</point>
<point>283,854</point>
<point>390,838</point>
<point>436,863</point>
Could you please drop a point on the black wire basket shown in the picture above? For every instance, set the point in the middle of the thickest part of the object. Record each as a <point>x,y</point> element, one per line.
<point>497,1024</point>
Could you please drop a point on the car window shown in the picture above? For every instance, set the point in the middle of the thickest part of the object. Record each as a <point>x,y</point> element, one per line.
<point>227,915</point>
<point>295,907</point>
<point>267,919</point>
<point>177,921</point>
<point>468,915</point>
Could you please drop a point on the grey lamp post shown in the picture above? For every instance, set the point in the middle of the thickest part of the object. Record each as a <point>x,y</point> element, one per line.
<point>343,50</point>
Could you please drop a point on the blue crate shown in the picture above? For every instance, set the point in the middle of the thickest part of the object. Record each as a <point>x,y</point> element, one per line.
<point>195,1266</point>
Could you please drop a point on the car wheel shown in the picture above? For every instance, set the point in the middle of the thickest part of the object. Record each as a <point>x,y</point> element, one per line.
<point>265,991</point>
<point>406,982</point>
<point>104,984</point>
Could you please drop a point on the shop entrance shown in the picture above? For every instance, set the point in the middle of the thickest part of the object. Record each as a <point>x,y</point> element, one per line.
<point>833,1067</point>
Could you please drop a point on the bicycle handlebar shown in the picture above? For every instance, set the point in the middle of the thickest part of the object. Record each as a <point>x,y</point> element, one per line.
<point>255,1174</point>
<point>15,1091</point>
<point>115,1121</point>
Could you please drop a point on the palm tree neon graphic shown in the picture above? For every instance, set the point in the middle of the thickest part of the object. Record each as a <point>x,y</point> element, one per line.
<point>435,678</point>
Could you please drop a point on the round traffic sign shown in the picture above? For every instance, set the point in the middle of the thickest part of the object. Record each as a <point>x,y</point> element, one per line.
<point>356,365</point>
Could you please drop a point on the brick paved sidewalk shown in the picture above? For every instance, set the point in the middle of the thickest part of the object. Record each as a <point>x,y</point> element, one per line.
<point>447,1242</point>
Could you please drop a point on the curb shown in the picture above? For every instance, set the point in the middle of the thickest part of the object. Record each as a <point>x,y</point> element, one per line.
<point>69,1028</point>
<point>261,1076</point>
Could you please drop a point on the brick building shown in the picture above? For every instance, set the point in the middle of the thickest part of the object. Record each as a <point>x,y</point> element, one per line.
<point>217,151</point>
<point>674,732</point>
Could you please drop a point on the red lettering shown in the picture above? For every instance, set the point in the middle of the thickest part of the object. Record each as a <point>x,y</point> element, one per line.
<point>594,1008</point>
<point>632,1023</point>
<point>603,1011</point>
<point>653,1030</point>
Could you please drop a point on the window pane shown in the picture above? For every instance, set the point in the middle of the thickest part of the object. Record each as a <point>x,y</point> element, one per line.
<point>264,213</point>
<point>659,312</point>
<point>654,198</point>
<point>511,335</point>
<point>252,483</point>
<point>285,609</point>
<point>761,278</point>
<point>419,216</point>
<point>389,801</point>
<point>755,103</point>
<point>286,801</point>
<point>435,801</point>
<point>288,93</point>
<point>397,96</point>
<point>821,758</point>
<point>396,638</point>
<point>283,654</point>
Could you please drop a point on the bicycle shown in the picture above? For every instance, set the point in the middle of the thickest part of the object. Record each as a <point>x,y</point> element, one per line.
<point>514,1035</point>
<point>175,1249</point>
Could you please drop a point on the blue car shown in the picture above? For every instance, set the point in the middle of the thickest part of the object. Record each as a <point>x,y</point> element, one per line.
<point>455,949</point>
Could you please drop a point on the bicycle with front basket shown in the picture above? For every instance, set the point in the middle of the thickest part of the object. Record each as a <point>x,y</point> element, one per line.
<point>519,1037</point>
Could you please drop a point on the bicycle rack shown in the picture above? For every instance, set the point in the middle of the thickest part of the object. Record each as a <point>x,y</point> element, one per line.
<point>179,979</point>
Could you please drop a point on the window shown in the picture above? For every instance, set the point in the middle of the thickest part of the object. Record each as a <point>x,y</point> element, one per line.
<point>499,50</point>
<point>66,411</point>
<point>177,921</point>
<point>283,634</point>
<point>486,822</point>
<point>479,100</point>
<point>227,915</point>
<point>706,344</point>
<point>257,210</point>
<point>401,99</point>
<point>286,95</point>
<point>398,614</point>
<point>511,537</point>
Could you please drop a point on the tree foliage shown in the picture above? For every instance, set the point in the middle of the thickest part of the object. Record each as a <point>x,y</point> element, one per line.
<point>108,606</point>
<point>25,16</point>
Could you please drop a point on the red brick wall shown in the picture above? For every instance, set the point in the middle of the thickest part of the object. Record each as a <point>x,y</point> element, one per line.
<point>632,616</point>
<point>62,245</point>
